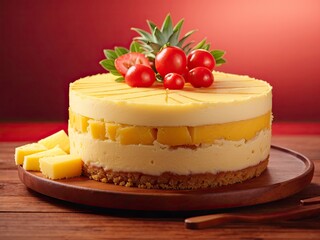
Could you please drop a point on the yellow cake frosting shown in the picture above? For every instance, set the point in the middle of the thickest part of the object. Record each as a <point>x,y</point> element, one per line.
<point>231,98</point>
<point>134,134</point>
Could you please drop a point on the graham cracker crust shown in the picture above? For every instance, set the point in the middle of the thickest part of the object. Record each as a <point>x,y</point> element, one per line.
<point>172,181</point>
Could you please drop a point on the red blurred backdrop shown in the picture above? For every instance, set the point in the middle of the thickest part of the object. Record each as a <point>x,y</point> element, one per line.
<point>45,45</point>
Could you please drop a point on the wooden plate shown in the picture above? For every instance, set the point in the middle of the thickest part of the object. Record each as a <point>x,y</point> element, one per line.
<point>288,173</point>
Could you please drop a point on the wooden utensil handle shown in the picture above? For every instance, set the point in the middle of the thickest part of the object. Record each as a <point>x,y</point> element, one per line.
<point>207,221</point>
<point>313,200</point>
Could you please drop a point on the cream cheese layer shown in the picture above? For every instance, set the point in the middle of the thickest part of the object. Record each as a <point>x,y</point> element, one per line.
<point>230,98</point>
<point>156,159</point>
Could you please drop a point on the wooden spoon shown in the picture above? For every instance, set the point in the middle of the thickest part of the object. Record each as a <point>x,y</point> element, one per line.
<point>212,220</point>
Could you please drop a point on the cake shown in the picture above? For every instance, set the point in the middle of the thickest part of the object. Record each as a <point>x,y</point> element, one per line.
<point>171,139</point>
<point>164,118</point>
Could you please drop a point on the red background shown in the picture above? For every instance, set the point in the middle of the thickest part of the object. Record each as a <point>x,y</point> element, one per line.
<point>45,45</point>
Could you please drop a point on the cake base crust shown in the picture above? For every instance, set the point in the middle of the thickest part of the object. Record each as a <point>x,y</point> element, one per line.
<point>169,180</point>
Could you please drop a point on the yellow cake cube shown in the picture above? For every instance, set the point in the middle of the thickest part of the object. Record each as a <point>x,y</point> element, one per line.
<point>174,136</point>
<point>59,167</point>
<point>111,130</point>
<point>31,162</point>
<point>136,135</point>
<point>81,123</point>
<point>60,139</point>
<point>72,118</point>
<point>97,129</point>
<point>22,151</point>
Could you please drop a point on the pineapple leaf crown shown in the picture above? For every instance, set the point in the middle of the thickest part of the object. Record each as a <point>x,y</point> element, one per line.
<point>150,43</point>
<point>168,35</point>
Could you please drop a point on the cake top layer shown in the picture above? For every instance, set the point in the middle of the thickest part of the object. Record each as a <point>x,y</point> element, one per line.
<point>230,98</point>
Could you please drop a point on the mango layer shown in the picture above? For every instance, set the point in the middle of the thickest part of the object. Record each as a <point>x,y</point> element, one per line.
<point>172,136</point>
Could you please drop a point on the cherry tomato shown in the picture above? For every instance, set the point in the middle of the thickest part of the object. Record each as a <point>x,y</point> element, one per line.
<point>185,74</point>
<point>200,77</point>
<point>140,76</point>
<point>124,62</point>
<point>173,81</point>
<point>201,58</point>
<point>171,60</point>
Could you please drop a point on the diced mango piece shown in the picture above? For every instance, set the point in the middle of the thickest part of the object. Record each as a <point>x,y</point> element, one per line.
<point>97,129</point>
<point>60,139</point>
<point>22,151</point>
<point>81,123</point>
<point>58,167</point>
<point>136,135</point>
<point>208,134</point>
<point>72,118</point>
<point>31,162</point>
<point>111,130</point>
<point>174,136</point>
<point>235,131</point>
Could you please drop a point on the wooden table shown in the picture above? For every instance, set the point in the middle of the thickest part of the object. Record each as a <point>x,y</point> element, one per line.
<point>25,214</point>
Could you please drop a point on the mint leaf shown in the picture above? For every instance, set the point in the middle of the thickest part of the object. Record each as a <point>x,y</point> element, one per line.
<point>217,54</point>
<point>120,79</point>
<point>220,61</point>
<point>120,51</point>
<point>115,72</point>
<point>109,64</point>
<point>110,54</point>
<point>104,64</point>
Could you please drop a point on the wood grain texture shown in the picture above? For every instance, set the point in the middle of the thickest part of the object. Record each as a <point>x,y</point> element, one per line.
<point>25,214</point>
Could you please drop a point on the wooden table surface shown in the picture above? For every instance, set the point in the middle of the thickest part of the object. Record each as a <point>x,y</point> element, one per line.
<point>25,214</point>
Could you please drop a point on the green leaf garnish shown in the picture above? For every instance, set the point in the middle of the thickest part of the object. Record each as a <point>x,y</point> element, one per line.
<point>120,51</point>
<point>111,56</point>
<point>218,56</point>
<point>220,61</point>
<point>150,43</point>
<point>217,53</point>
<point>136,47</point>
<point>120,79</point>
<point>166,28</point>
<point>151,25</point>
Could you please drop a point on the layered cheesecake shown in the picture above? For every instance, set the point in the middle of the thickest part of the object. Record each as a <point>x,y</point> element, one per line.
<point>171,139</point>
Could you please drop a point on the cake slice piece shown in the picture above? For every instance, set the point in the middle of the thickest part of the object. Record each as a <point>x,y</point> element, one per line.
<point>22,151</point>
<point>59,167</point>
<point>31,162</point>
<point>60,139</point>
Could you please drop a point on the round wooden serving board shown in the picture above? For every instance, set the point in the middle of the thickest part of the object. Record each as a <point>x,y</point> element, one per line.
<point>288,173</point>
